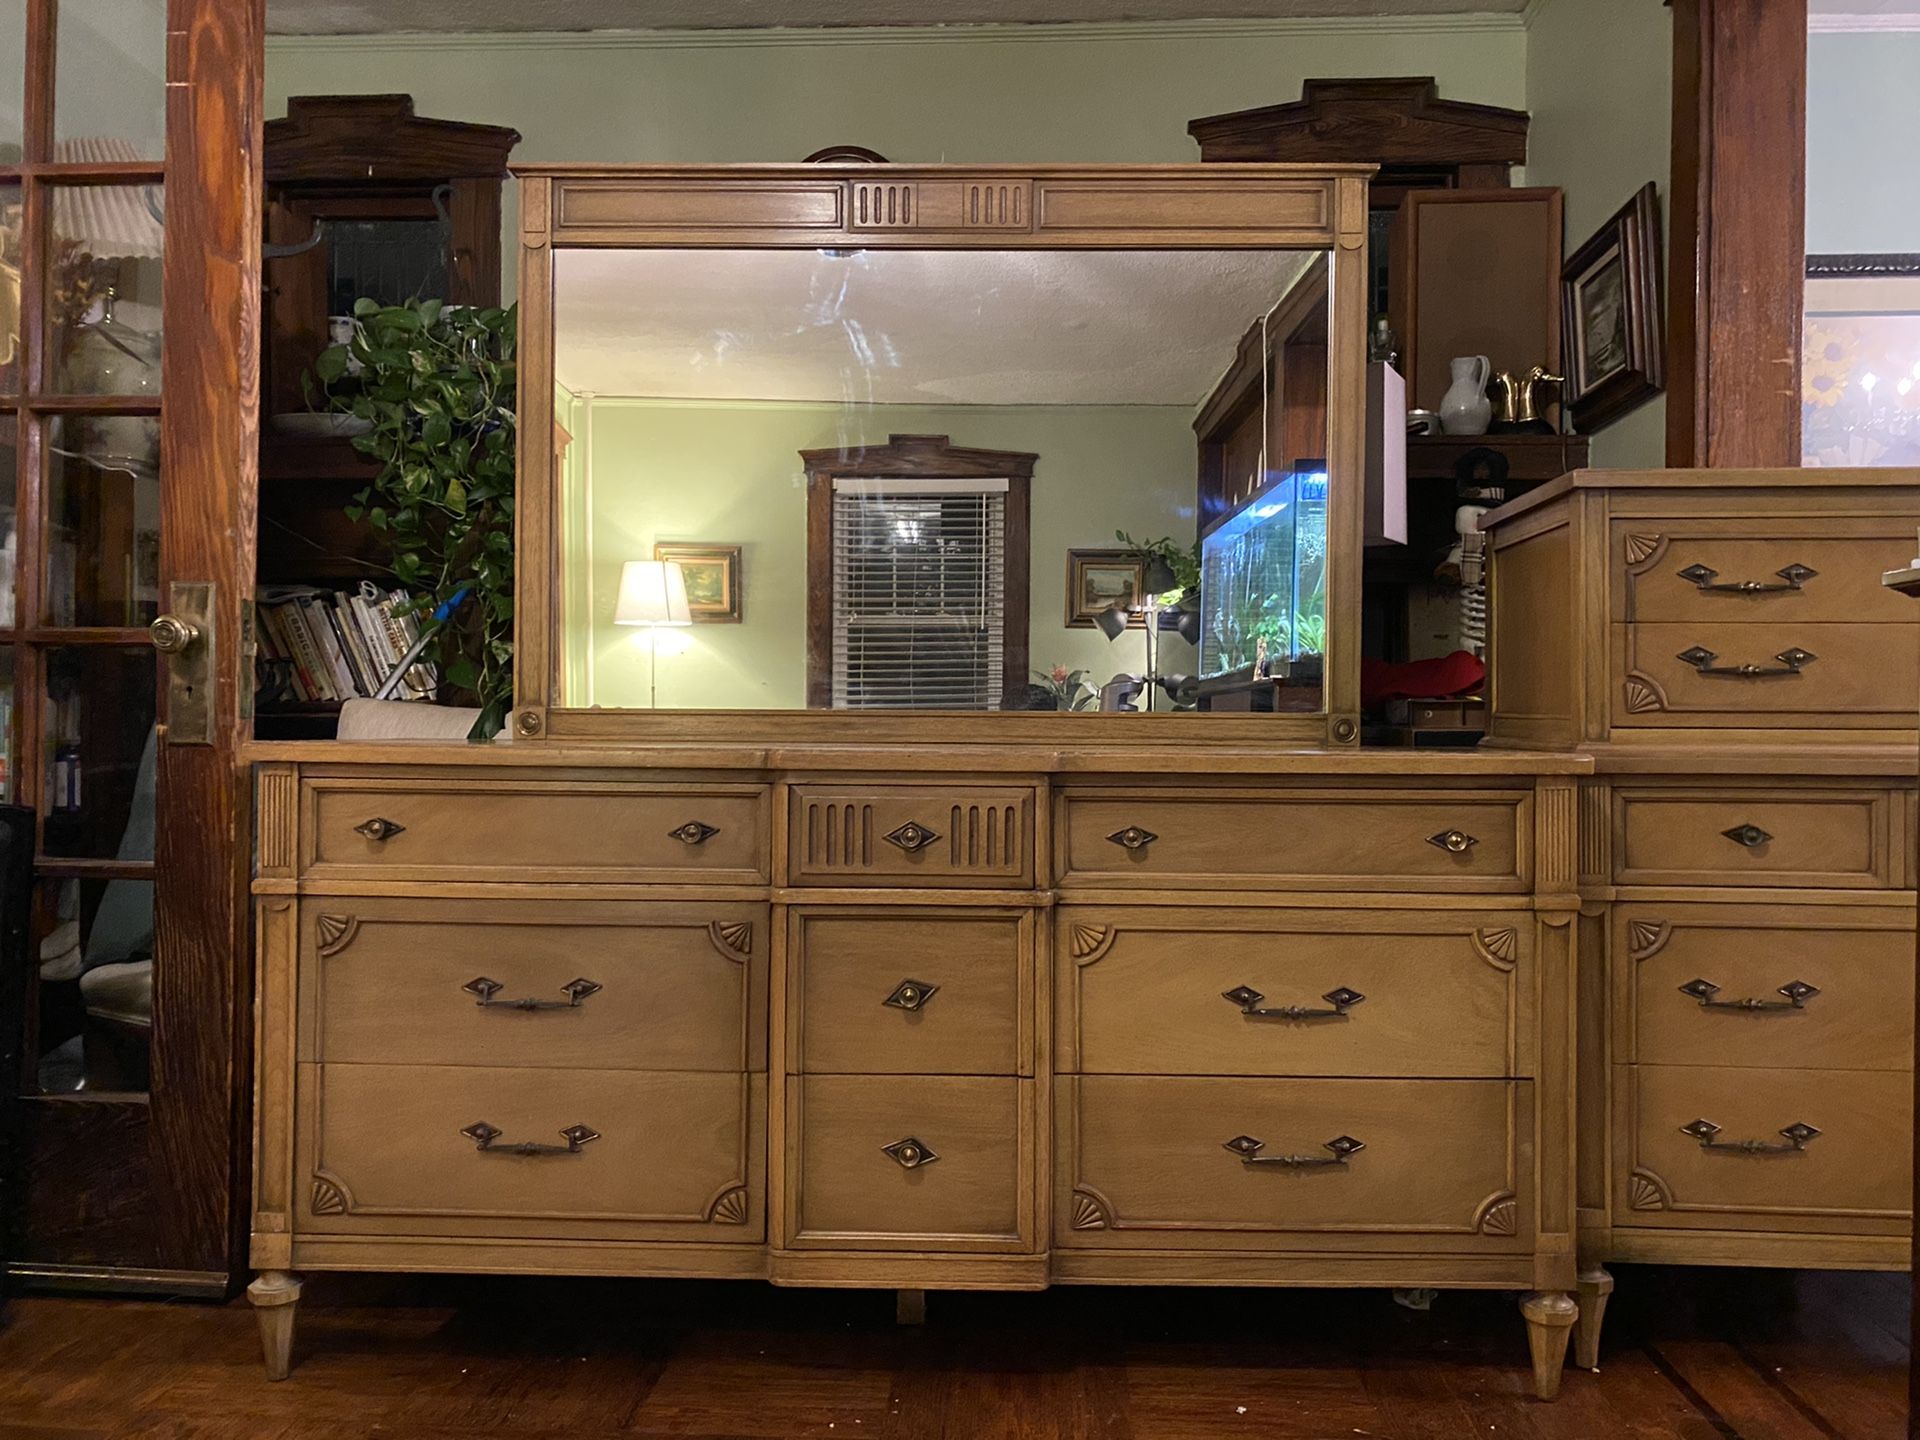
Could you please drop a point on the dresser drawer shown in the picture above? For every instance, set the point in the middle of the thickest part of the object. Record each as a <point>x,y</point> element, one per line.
<point>1344,992</point>
<point>1475,840</point>
<point>640,986</point>
<point>1855,1174</point>
<point>1837,838</point>
<point>1777,571</point>
<point>1171,1162</point>
<point>536,829</point>
<point>888,1162</point>
<point>877,992</point>
<point>1833,986</point>
<point>396,1149</point>
<point>1766,674</point>
<point>911,835</point>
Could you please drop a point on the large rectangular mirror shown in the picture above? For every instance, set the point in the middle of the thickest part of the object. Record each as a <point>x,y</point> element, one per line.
<point>897,479</point>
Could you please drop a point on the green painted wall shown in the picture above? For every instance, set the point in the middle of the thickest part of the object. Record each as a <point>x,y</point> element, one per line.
<point>1600,87</point>
<point>730,473</point>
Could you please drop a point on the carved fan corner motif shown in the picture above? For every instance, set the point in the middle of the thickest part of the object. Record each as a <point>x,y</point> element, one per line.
<point>1642,694</point>
<point>1642,550</point>
<point>1647,1191</point>
<point>732,938</point>
<point>1499,1215</point>
<point>1089,942</point>
<point>730,1207</point>
<point>329,1196</point>
<point>1089,1212</point>
<point>336,932</point>
<point>1499,946</point>
<point>1646,938</point>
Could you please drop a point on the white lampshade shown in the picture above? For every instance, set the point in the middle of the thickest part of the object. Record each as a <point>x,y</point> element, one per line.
<point>652,592</point>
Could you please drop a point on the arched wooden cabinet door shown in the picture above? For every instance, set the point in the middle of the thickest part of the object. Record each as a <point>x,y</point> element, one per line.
<point>132,215</point>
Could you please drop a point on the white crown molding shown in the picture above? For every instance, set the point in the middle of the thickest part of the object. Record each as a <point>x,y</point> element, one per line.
<point>1828,24</point>
<point>1070,33</point>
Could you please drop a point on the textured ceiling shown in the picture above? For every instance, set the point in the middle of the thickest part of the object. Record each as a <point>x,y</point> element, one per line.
<point>910,327</point>
<point>357,17</point>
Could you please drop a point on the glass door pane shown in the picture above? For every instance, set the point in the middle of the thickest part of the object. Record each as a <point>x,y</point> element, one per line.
<point>110,87</point>
<point>103,289</point>
<point>103,521</point>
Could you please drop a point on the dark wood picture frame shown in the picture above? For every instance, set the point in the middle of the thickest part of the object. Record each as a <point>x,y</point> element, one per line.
<point>1079,617</point>
<point>685,553</point>
<point>1624,256</point>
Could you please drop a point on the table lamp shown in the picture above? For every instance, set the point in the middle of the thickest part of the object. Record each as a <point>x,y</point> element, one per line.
<point>653,594</point>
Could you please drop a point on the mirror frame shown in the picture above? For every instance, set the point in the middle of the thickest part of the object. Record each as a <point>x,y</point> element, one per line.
<point>936,207</point>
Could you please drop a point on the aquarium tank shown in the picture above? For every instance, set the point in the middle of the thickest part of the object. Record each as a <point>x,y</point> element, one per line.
<point>1263,577</point>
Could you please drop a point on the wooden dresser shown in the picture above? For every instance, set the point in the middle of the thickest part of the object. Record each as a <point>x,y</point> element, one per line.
<point>1720,645</point>
<point>916,1020</point>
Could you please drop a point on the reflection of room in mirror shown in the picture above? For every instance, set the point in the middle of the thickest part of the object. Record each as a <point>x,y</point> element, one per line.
<point>1144,392</point>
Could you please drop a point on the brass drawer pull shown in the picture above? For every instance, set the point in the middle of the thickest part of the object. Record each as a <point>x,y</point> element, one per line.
<point>1752,837</point>
<point>910,995</point>
<point>1709,580</point>
<point>379,829</point>
<point>1248,999</point>
<point>1797,1135</point>
<point>1798,992</point>
<point>1791,660</point>
<point>1133,838</point>
<point>487,990</point>
<point>1339,1148</point>
<point>909,1154</point>
<point>693,833</point>
<point>483,1135</point>
<point>911,837</point>
<point>1454,842</point>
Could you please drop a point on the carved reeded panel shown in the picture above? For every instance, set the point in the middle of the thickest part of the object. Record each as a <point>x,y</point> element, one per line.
<point>911,835</point>
<point>886,205</point>
<point>997,205</point>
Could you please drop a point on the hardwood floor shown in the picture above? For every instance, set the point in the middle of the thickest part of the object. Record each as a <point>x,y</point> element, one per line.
<point>1688,1355</point>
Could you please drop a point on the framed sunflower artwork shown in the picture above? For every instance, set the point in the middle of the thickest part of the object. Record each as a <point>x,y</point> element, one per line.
<point>1860,361</point>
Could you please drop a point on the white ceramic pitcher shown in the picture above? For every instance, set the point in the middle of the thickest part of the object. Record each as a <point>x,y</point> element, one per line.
<point>1466,408</point>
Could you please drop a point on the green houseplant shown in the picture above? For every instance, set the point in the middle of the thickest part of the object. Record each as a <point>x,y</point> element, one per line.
<point>436,384</point>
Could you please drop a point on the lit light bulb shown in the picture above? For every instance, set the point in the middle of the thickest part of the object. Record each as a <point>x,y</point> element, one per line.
<point>1868,381</point>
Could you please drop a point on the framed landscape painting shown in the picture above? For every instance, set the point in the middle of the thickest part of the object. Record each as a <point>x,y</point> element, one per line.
<point>712,573</point>
<point>1098,580</point>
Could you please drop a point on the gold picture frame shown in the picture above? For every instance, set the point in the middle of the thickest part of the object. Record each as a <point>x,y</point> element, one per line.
<point>712,573</point>
<point>1097,580</point>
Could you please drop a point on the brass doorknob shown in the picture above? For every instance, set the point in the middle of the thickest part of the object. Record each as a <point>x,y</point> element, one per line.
<point>171,634</point>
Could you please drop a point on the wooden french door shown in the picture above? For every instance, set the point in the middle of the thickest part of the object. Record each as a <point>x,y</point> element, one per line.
<point>130,295</point>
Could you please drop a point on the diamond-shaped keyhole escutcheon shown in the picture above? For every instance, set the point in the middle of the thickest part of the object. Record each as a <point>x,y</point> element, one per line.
<point>911,837</point>
<point>910,995</point>
<point>910,1153</point>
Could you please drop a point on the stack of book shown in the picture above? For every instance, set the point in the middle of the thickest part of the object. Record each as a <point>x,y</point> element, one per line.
<point>320,646</point>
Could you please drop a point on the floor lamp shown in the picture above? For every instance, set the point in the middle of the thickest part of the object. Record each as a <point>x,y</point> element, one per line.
<point>653,595</point>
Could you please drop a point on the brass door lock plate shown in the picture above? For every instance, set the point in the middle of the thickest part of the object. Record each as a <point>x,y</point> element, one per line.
<point>185,636</point>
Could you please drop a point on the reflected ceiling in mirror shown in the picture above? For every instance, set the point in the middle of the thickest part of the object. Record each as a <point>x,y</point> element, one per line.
<point>893,479</point>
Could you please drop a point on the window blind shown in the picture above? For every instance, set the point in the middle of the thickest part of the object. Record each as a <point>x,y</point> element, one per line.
<point>919,594</point>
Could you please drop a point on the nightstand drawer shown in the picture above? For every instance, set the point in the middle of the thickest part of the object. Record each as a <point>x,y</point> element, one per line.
<point>1172,1162</point>
<point>1838,838</point>
<point>1768,1149</point>
<point>1802,986</point>
<point>879,992</point>
<point>538,983</point>
<point>936,835</point>
<point>1762,570</point>
<point>535,829</point>
<point>479,1150</point>
<point>1204,839</point>
<point>1207,991</point>
<point>893,1162</point>
<point>1766,674</point>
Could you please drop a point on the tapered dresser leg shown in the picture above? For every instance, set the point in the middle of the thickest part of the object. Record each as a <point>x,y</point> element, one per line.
<point>910,1307</point>
<point>275,1296</point>
<point>1594,1288</point>
<point>1549,1315</point>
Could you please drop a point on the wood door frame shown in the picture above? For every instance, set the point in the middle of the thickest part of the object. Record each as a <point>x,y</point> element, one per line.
<point>1737,276</point>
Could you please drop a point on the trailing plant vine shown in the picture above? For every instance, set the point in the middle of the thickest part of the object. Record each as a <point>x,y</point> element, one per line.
<point>436,383</point>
